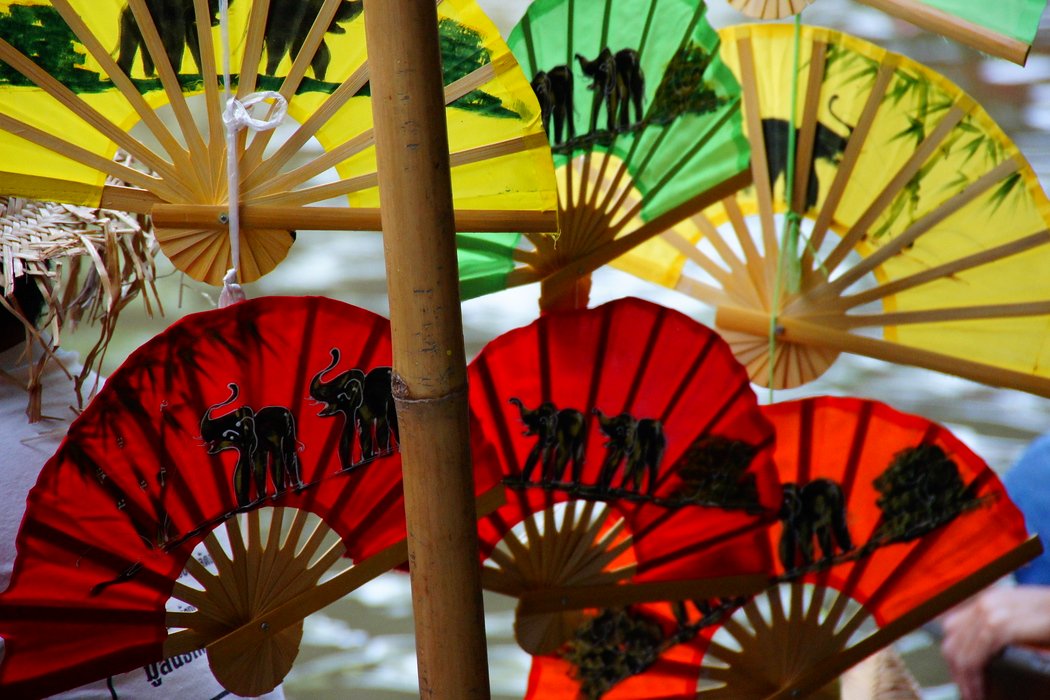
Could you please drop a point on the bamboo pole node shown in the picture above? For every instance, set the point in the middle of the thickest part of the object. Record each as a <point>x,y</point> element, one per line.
<point>400,390</point>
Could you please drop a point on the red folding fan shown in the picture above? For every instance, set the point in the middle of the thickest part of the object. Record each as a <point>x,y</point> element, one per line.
<point>262,439</point>
<point>633,451</point>
<point>887,520</point>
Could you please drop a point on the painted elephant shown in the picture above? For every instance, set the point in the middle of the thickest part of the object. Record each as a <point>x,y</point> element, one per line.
<point>265,440</point>
<point>816,510</point>
<point>176,23</point>
<point>638,444</point>
<point>560,436</point>
<point>553,90</point>
<point>367,405</point>
<point>618,82</point>
<point>289,23</point>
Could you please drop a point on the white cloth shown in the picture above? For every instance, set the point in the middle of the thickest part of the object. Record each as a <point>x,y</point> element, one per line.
<point>24,449</point>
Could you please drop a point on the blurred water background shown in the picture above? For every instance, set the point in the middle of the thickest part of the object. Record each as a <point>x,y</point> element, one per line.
<point>363,646</point>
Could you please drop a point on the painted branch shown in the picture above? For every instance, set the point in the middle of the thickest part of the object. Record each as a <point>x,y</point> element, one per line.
<point>200,216</point>
<point>547,600</point>
<point>430,382</point>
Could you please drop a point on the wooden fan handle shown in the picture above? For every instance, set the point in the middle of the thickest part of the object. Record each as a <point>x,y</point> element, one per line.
<point>216,216</point>
<point>795,330</point>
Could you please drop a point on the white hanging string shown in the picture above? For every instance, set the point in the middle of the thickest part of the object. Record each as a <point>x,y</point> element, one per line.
<point>235,117</point>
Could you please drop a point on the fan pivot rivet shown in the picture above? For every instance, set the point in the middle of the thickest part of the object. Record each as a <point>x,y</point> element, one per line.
<point>265,626</point>
<point>224,218</point>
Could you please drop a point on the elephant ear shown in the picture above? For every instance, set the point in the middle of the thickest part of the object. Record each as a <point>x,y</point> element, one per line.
<point>133,498</point>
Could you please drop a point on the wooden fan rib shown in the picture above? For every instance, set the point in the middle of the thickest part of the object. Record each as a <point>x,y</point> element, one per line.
<point>805,148</point>
<point>753,259</point>
<point>255,151</point>
<point>173,90</point>
<point>701,291</point>
<point>948,314</point>
<point>954,267</point>
<point>502,581</point>
<point>318,193</point>
<point>522,557</point>
<point>179,155</point>
<point>253,46</point>
<point>734,281</point>
<point>893,189</point>
<point>917,229</point>
<point>162,188</point>
<point>559,281</point>
<point>974,35</point>
<point>259,177</point>
<point>183,642</point>
<point>214,104</point>
<point>68,99</point>
<point>329,159</point>
<point>852,152</point>
<point>819,675</point>
<point>759,156</point>
<point>701,141</point>
<point>262,628</point>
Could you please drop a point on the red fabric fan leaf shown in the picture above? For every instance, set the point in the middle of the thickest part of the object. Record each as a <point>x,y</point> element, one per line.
<point>653,364</point>
<point>152,466</point>
<point>930,538</point>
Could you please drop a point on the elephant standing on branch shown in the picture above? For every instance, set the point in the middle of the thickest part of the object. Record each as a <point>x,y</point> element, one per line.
<point>265,441</point>
<point>560,436</point>
<point>367,404</point>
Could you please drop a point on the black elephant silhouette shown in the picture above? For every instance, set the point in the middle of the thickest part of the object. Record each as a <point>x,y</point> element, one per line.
<point>176,23</point>
<point>367,404</point>
<point>618,82</point>
<point>266,441</point>
<point>827,145</point>
<point>288,25</point>
<point>638,444</point>
<point>816,510</point>
<point>553,90</point>
<point>560,437</point>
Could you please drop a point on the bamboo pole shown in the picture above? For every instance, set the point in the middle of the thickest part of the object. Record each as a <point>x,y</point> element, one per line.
<point>430,380</point>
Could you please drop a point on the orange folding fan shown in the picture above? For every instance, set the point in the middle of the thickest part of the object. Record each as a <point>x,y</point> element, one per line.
<point>887,520</point>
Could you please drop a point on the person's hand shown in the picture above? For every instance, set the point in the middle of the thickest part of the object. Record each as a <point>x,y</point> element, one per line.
<point>977,630</point>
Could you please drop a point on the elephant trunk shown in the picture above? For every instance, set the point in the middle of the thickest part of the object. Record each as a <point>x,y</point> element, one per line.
<point>317,384</point>
<point>234,393</point>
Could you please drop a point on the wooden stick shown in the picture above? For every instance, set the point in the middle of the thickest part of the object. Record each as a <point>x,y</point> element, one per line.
<point>430,382</point>
<point>560,599</point>
<point>177,216</point>
<point>797,330</point>
<point>975,35</point>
